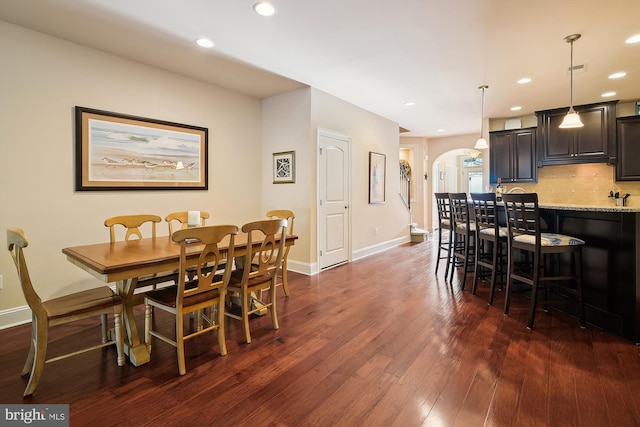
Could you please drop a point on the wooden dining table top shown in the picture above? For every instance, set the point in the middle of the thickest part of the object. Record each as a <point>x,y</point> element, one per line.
<point>127,259</point>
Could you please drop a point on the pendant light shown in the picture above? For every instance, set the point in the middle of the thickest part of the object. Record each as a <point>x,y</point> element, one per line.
<point>571,120</point>
<point>481,143</point>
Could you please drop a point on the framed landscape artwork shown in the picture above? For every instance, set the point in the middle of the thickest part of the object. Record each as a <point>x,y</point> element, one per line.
<point>284,167</point>
<point>377,177</point>
<point>123,152</point>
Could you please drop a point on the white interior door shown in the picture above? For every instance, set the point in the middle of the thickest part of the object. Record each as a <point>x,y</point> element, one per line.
<point>334,167</point>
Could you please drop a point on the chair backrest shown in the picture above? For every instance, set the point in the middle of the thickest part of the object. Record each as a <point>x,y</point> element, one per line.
<point>183,219</point>
<point>460,213</point>
<point>523,215</point>
<point>131,223</point>
<point>283,214</point>
<point>444,207</point>
<point>17,241</point>
<point>485,211</point>
<point>210,259</point>
<point>266,259</point>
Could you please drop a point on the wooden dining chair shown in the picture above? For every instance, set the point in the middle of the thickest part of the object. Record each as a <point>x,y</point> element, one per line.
<point>182,219</point>
<point>132,225</point>
<point>99,301</point>
<point>541,250</point>
<point>203,296</point>
<point>259,274</point>
<point>464,234</point>
<point>290,216</point>
<point>491,242</point>
<point>445,224</point>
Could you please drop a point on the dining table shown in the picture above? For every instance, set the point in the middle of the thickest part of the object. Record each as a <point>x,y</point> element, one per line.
<point>124,262</point>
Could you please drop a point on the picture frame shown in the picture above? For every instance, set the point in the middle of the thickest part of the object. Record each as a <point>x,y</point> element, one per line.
<point>637,108</point>
<point>124,152</point>
<point>284,167</point>
<point>377,177</point>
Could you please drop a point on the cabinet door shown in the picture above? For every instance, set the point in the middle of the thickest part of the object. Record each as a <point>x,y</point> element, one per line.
<point>592,143</point>
<point>501,157</point>
<point>524,157</point>
<point>628,163</point>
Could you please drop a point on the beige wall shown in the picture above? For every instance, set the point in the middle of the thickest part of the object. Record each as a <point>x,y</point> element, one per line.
<point>41,80</point>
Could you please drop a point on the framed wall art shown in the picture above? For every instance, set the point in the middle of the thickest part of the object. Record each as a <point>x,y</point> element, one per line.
<point>377,177</point>
<point>123,152</point>
<point>284,167</point>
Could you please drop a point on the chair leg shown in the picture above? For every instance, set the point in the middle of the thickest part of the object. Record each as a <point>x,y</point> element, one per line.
<point>534,290</point>
<point>495,262</point>
<point>439,248</point>
<point>452,255</point>
<point>222,342</point>
<point>449,253</point>
<point>274,316</point>
<point>507,293</point>
<point>285,282</point>
<point>28,364</point>
<point>41,340</point>
<point>180,342</point>
<point>477,269</point>
<point>105,328</point>
<point>246,304</point>
<point>117,320</point>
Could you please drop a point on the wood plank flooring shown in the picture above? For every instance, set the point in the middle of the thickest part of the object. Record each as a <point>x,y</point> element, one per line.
<point>378,342</point>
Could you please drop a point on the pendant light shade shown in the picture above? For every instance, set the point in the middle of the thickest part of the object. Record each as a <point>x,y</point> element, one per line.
<point>481,143</point>
<point>572,119</point>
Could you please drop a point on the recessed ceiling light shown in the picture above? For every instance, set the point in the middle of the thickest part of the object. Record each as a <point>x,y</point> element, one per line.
<point>516,108</point>
<point>204,42</point>
<point>264,8</point>
<point>633,39</point>
<point>524,80</point>
<point>608,94</point>
<point>617,75</point>
<point>409,104</point>
<point>440,130</point>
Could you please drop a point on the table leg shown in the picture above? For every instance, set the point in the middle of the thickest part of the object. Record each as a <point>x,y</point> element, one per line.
<point>136,350</point>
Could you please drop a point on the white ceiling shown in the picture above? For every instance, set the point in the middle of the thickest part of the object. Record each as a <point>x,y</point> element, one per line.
<point>374,54</point>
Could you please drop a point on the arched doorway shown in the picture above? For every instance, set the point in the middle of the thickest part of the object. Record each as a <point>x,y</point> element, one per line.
<point>458,170</point>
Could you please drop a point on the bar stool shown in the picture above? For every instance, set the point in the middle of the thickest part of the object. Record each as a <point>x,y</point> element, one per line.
<point>464,233</point>
<point>525,235</point>
<point>490,240</point>
<point>444,223</point>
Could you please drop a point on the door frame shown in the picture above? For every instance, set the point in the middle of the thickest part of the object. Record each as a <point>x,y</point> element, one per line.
<point>325,133</point>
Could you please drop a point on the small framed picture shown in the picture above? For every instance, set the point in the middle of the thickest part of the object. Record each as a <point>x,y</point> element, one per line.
<point>284,167</point>
<point>637,108</point>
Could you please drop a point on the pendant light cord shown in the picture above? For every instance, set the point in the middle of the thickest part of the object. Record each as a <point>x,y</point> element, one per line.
<point>571,84</point>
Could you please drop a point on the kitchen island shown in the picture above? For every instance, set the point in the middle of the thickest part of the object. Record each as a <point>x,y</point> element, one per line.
<point>610,262</point>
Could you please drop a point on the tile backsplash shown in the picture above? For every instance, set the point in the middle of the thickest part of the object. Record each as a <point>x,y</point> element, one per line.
<point>582,184</point>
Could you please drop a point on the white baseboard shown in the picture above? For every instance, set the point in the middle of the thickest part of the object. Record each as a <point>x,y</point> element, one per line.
<point>380,247</point>
<point>15,316</point>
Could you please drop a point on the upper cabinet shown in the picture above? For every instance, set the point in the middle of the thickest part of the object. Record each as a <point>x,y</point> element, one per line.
<point>593,143</point>
<point>628,149</point>
<point>513,155</point>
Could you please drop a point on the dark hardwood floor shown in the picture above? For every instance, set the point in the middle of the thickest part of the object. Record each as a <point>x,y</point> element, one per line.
<point>379,342</point>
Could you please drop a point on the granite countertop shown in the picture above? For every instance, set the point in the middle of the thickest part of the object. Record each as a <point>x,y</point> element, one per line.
<point>589,208</point>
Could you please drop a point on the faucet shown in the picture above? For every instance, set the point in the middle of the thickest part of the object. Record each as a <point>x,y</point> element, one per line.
<point>516,190</point>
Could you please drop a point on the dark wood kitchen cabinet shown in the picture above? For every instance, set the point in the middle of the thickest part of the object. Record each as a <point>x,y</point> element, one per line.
<point>513,155</point>
<point>592,143</point>
<point>628,148</point>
